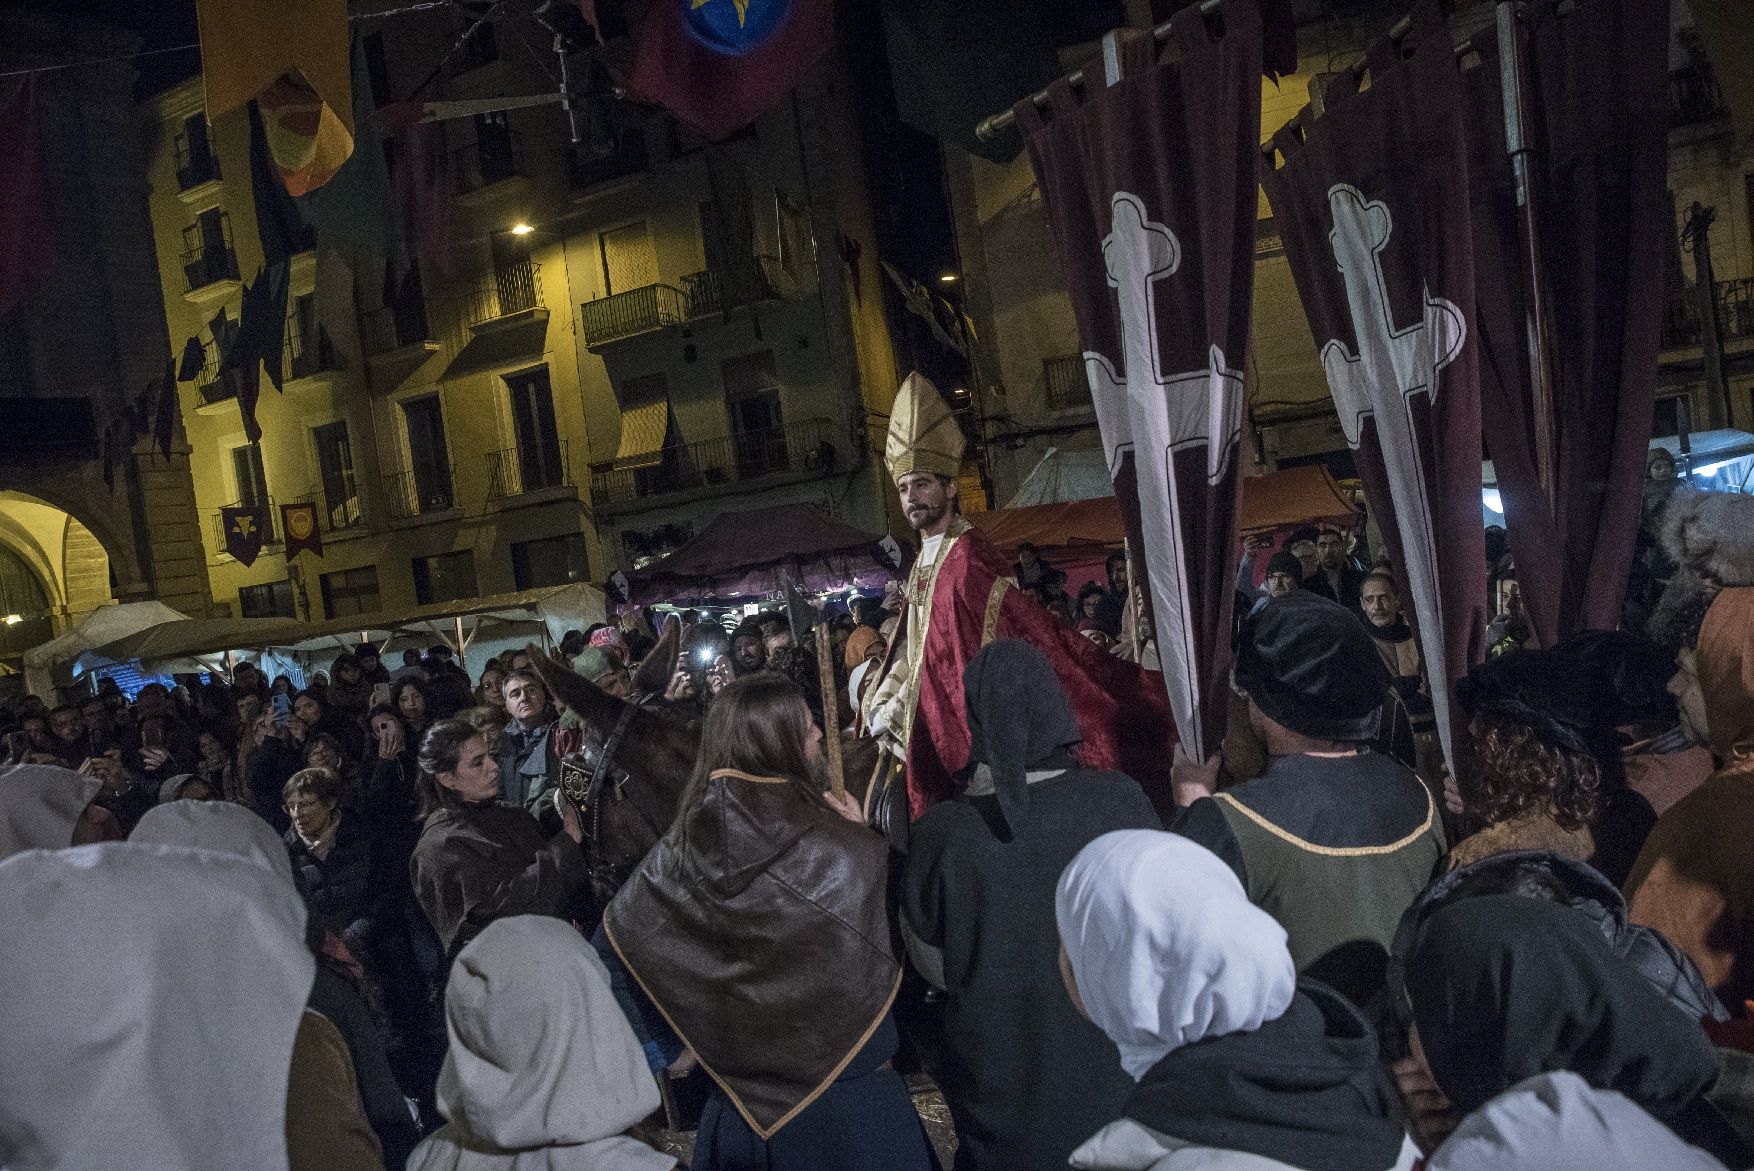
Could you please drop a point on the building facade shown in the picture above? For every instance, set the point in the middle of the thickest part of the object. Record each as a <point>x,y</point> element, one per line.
<point>91,509</point>
<point>619,339</point>
<point>1039,399</point>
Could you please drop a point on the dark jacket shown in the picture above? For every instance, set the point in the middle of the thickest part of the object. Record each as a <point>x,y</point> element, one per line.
<point>352,892</point>
<point>270,766</point>
<point>1351,584</point>
<point>528,766</point>
<point>479,863</point>
<point>1554,878</point>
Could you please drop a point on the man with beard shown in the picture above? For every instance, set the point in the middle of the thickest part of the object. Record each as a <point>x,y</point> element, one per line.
<point>1335,578</point>
<point>1409,722</point>
<point>958,597</point>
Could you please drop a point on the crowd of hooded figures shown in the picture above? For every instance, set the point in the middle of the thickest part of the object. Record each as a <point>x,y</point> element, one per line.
<point>355,926</point>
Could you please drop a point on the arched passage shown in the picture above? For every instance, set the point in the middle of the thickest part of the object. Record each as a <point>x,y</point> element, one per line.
<point>51,567</point>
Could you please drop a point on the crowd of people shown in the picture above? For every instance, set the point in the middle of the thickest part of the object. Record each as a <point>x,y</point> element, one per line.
<point>360,924</point>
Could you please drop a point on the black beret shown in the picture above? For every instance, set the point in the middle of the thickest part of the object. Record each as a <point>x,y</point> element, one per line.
<point>1310,666</point>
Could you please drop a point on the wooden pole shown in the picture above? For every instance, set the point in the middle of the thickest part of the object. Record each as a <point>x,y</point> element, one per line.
<point>837,780</point>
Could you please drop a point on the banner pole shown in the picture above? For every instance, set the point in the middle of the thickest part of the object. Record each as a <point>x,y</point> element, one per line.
<point>837,780</point>
<point>1538,318</point>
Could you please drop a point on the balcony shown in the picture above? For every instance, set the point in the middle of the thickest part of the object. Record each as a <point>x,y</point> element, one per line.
<point>509,296</point>
<point>589,166</point>
<point>1066,382</point>
<point>271,539</point>
<point>214,385</point>
<point>338,505</point>
<point>195,166</point>
<point>624,315</point>
<point>310,354</point>
<point>1735,315</point>
<point>420,491</point>
<point>804,449</point>
<point>1693,94</point>
<point>711,291</point>
<point>486,162</point>
<point>515,471</point>
<point>209,266</point>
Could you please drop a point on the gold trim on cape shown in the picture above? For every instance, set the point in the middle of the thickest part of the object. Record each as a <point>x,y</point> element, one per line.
<point>1333,851</point>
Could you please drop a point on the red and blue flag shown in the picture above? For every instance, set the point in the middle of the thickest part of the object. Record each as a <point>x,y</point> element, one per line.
<point>718,65</point>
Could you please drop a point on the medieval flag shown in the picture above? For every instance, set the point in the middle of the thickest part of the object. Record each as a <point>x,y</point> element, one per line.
<point>27,237</point>
<point>355,204</point>
<point>245,529</point>
<point>164,420</point>
<point>1603,224</point>
<point>299,523</point>
<point>924,306</point>
<point>194,359</point>
<point>293,59</point>
<point>280,224</point>
<point>1148,175</point>
<point>1372,206</point>
<point>718,65</point>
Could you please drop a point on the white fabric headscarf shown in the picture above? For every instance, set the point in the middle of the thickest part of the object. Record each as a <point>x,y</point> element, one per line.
<point>1165,947</point>
<point>39,806</point>
<point>1558,1122</point>
<point>215,825</point>
<point>543,1072</point>
<point>153,994</point>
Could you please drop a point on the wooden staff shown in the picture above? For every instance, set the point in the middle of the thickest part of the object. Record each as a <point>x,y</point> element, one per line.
<point>837,780</point>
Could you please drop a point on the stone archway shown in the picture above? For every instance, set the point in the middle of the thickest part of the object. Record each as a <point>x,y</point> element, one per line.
<point>67,560</point>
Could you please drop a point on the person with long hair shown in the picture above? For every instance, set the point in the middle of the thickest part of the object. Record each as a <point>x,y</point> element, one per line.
<point>480,859</point>
<point>414,703</point>
<point>762,865</point>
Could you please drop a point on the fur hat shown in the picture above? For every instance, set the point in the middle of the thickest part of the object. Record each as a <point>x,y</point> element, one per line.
<point>1710,536</point>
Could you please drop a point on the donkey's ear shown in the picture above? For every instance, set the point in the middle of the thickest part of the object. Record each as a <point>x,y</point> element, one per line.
<point>562,681</point>
<point>654,672</point>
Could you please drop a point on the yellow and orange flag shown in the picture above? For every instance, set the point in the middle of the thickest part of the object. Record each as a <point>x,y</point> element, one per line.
<point>293,59</point>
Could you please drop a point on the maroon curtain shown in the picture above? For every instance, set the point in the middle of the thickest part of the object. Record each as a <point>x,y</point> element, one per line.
<point>1372,209</point>
<point>1148,171</point>
<point>1598,118</point>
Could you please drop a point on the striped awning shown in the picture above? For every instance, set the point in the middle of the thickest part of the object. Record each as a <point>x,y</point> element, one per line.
<point>643,430</point>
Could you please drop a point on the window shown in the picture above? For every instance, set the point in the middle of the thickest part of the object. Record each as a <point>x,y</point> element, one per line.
<point>350,591</point>
<point>752,398</point>
<point>539,463</point>
<point>445,578</point>
<point>207,251</point>
<point>494,156</point>
<point>793,229</point>
<point>339,505</point>
<point>550,561</point>
<point>629,260</point>
<point>247,473</point>
<point>271,600</point>
<point>514,277</point>
<point>307,347</point>
<point>196,162</point>
<point>429,458</point>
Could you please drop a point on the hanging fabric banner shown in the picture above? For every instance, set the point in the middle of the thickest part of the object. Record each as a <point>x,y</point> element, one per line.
<point>299,523</point>
<point>1601,137</point>
<point>1372,206</point>
<point>245,529</point>
<point>1148,174</point>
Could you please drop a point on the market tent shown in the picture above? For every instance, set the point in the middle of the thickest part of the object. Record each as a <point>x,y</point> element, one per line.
<point>103,625</point>
<point>1062,475</point>
<point>182,646</point>
<point>758,553</point>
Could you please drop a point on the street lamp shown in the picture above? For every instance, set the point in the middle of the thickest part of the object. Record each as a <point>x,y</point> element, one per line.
<point>521,229</point>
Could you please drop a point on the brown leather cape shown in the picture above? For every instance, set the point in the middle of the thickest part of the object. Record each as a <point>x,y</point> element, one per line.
<point>757,926</point>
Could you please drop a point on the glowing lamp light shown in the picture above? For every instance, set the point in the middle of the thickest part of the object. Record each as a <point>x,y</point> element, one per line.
<point>522,229</point>
<point>12,619</point>
<point>1493,500</point>
<point>948,278</point>
<point>1713,468</point>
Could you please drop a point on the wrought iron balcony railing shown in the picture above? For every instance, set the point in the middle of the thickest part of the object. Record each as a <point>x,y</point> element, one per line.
<point>506,292</point>
<point>195,166</point>
<point>422,489</point>
<point>806,447</point>
<point>1735,314</point>
<point>208,265</point>
<point>268,506</point>
<point>518,470</point>
<point>1068,386</point>
<point>637,311</point>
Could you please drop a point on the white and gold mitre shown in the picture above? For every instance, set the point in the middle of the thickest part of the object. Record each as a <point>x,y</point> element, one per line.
<point>923,435</point>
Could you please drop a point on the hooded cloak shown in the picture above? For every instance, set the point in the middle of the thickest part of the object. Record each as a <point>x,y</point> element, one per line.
<point>216,825</point>
<point>543,1071</point>
<point>1230,1050</point>
<point>110,946</point>
<point>1558,1123</point>
<point>757,926</point>
<point>1503,988</point>
<point>1018,721</point>
<point>39,806</point>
